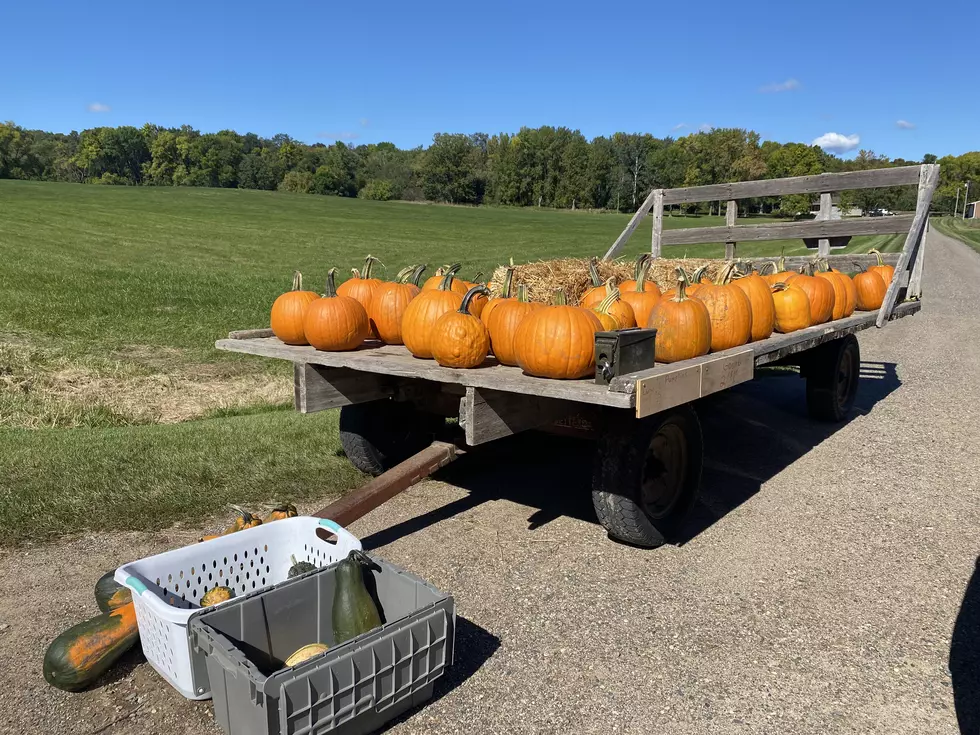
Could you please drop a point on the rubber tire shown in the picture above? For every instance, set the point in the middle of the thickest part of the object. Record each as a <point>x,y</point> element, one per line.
<point>378,435</point>
<point>619,472</point>
<point>833,372</point>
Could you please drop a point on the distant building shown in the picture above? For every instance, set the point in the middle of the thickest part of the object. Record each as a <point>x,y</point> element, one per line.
<point>972,210</point>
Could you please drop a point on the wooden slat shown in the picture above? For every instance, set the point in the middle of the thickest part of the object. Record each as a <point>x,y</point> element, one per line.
<point>319,388</point>
<point>250,333</point>
<point>657,209</point>
<point>492,414</point>
<point>683,382</point>
<point>776,347</point>
<point>844,262</point>
<point>795,185</point>
<point>789,230</point>
<point>928,180</point>
<point>634,222</point>
<point>395,360</point>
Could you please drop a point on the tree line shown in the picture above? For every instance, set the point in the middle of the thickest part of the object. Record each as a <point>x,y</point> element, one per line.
<point>540,167</point>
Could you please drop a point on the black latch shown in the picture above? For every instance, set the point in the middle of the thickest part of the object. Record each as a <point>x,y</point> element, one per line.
<point>623,352</point>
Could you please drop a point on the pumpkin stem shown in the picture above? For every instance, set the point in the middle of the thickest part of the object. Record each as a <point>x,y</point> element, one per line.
<point>640,260</point>
<point>508,288</point>
<point>446,284</point>
<point>641,276</point>
<point>559,299</point>
<point>610,286</point>
<point>404,273</point>
<point>355,273</point>
<point>464,308</point>
<point>522,293</point>
<point>724,276</point>
<point>681,285</point>
<point>612,296</point>
<point>697,276</point>
<point>478,276</point>
<point>781,286</point>
<point>331,288</point>
<point>417,274</point>
<point>297,281</point>
<point>767,267</point>
<point>594,272</point>
<point>859,267</point>
<point>369,262</point>
<point>877,253</point>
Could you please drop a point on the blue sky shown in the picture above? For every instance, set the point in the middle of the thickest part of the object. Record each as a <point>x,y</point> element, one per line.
<point>368,72</point>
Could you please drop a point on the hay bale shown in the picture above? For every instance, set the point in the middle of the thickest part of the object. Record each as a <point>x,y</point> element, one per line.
<point>571,275</point>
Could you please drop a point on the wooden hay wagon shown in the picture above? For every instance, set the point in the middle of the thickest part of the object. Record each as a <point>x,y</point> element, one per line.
<point>649,445</point>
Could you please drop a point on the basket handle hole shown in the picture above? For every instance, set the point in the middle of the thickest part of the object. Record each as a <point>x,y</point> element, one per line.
<point>326,536</point>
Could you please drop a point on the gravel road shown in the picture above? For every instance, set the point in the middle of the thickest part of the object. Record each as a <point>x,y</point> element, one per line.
<point>817,589</point>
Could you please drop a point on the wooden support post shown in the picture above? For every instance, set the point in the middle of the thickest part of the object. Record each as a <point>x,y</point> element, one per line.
<point>826,207</point>
<point>731,214</point>
<point>634,222</point>
<point>386,486</point>
<point>915,280</point>
<point>487,414</point>
<point>318,388</point>
<point>928,180</point>
<point>658,222</point>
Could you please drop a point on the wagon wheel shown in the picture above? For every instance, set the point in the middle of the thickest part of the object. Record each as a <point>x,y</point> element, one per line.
<point>647,476</point>
<point>378,435</point>
<point>833,372</point>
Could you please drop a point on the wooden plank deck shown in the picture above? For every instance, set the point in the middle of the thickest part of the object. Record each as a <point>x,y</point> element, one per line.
<point>395,360</point>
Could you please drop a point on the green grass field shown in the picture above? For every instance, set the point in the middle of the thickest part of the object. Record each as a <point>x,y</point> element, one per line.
<point>966,230</point>
<point>116,411</point>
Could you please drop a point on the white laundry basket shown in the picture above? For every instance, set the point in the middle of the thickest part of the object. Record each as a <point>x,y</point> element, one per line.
<point>166,587</point>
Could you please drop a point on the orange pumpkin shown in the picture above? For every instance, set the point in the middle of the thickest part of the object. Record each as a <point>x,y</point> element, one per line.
<point>871,290</point>
<point>730,311</point>
<point>640,296</point>
<point>886,272</point>
<point>390,302</point>
<point>792,307</point>
<point>620,310</point>
<point>480,300</point>
<point>779,273</point>
<point>434,282</point>
<point>422,314</point>
<point>683,325</point>
<point>289,310</point>
<point>504,323</point>
<point>760,299</point>
<point>460,339</point>
<point>362,288</point>
<point>336,323</point>
<point>820,293</point>
<point>597,291</point>
<point>843,302</point>
<point>505,295</point>
<point>558,341</point>
<point>630,285</point>
<point>609,322</point>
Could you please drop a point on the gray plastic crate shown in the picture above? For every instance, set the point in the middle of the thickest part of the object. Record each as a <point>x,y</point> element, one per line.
<point>354,687</point>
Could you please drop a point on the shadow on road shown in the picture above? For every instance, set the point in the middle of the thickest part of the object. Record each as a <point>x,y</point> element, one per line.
<point>964,658</point>
<point>751,433</point>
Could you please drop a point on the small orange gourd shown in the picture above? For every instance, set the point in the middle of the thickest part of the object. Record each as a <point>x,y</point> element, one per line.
<point>289,310</point>
<point>640,296</point>
<point>683,325</point>
<point>729,308</point>
<point>423,312</point>
<point>884,270</point>
<point>871,289</point>
<point>558,341</point>
<point>460,339</point>
<point>503,325</point>
<point>390,302</point>
<point>336,323</point>
<point>760,299</point>
<point>792,307</point>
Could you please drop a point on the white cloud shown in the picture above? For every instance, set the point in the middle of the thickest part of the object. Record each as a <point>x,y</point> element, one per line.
<point>838,143</point>
<point>338,135</point>
<point>97,107</point>
<point>364,122</point>
<point>788,86</point>
<point>705,128</point>
<point>904,125</point>
<point>679,126</point>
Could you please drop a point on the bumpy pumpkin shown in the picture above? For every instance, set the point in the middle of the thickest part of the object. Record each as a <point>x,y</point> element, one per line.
<point>390,302</point>
<point>281,512</point>
<point>84,652</point>
<point>506,294</point>
<point>215,595</point>
<point>504,323</point>
<point>760,299</point>
<point>597,290</point>
<point>683,325</point>
<point>289,310</point>
<point>884,270</point>
<point>730,311</point>
<point>792,307</point>
<point>870,290</point>
<point>459,338</point>
<point>336,323</point>
<point>819,292</point>
<point>641,260</point>
<point>558,341</point>
<point>362,287</point>
<point>640,297</point>
<point>424,311</point>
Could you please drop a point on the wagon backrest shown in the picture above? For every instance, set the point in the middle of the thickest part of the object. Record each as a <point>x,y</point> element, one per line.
<point>907,282</point>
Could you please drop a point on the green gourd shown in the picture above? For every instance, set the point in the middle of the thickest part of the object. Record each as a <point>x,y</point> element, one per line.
<point>109,594</point>
<point>299,567</point>
<point>84,652</point>
<point>354,610</point>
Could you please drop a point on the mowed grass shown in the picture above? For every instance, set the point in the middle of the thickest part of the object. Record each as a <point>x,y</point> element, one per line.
<point>966,230</point>
<point>111,299</point>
